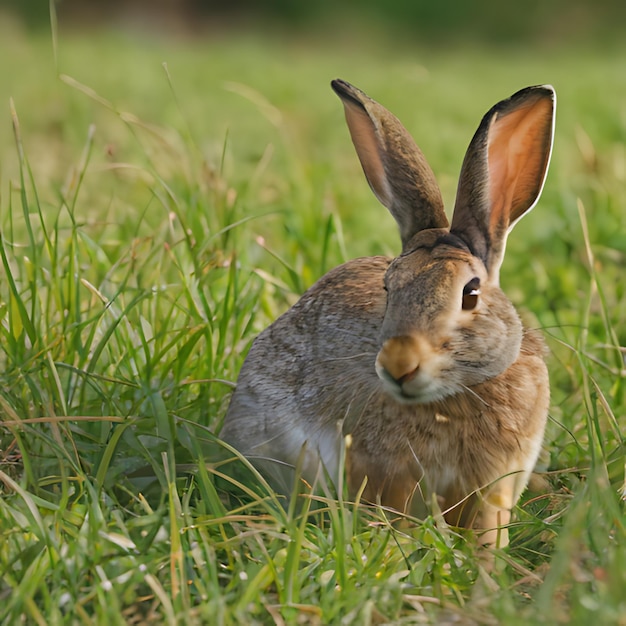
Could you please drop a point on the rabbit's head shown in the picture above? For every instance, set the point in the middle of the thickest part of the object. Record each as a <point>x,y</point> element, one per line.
<point>447,324</point>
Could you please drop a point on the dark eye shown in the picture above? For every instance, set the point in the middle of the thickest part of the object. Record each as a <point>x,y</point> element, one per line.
<point>471,291</point>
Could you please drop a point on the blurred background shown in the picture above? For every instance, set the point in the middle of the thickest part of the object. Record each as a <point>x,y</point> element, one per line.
<point>242,88</point>
<point>247,82</point>
<point>443,22</point>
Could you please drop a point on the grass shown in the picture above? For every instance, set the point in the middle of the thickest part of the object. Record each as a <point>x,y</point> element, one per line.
<point>155,218</point>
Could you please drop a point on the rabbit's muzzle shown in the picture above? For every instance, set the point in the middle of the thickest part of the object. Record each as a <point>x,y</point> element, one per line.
<point>407,366</point>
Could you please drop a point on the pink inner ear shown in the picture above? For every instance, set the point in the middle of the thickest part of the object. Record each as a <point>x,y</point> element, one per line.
<point>366,144</point>
<point>518,155</point>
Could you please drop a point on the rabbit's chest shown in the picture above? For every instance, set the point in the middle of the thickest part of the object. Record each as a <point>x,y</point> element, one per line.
<point>446,451</point>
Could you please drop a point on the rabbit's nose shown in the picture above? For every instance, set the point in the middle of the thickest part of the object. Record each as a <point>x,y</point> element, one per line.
<point>399,359</point>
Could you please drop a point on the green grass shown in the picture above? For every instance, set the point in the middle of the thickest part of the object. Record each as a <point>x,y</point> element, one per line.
<point>154,219</point>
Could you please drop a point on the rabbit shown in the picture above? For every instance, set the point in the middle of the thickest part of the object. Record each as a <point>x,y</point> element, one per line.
<point>416,371</point>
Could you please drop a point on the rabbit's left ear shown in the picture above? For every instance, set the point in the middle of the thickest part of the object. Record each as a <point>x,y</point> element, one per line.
<point>504,171</point>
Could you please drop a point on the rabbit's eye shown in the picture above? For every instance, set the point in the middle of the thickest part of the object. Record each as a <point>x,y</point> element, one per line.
<point>471,291</point>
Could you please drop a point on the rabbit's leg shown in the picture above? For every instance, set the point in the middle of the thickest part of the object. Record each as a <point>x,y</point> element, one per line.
<point>493,513</point>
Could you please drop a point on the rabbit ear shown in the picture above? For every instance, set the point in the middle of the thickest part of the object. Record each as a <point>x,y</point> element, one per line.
<point>504,171</point>
<point>394,166</point>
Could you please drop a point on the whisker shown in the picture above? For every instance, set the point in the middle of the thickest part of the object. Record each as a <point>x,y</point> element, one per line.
<point>355,421</point>
<point>418,483</point>
<point>416,458</point>
<point>363,338</point>
<point>478,397</point>
<point>352,356</point>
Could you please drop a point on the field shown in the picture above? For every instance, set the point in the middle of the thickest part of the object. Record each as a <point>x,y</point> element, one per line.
<point>161,202</point>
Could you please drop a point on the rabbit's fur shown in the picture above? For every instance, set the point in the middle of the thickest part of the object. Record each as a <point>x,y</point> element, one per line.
<point>417,367</point>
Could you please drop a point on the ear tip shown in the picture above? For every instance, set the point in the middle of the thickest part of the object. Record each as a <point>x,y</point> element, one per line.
<point>547,90</point>
<point>340,86</point>
<point>539,91</point>
<point>349,94</point>
<point>528,96</point>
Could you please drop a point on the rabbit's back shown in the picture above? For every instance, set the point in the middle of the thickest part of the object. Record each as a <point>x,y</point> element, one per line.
<point>309,371</point>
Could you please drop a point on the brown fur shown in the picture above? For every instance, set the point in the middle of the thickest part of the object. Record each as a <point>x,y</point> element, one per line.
<point>484,444</point>
<point>434,399</point>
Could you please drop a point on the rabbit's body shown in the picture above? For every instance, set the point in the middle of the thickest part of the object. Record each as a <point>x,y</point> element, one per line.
<point>421,362</point>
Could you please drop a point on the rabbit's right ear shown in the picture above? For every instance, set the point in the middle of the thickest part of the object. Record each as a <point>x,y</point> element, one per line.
<point>394,166</point>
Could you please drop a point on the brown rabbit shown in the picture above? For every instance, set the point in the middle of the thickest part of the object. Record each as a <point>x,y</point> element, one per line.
<point>419,364</point>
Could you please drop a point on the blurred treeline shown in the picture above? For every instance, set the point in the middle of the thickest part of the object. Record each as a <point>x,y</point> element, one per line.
<point>430,21</point>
